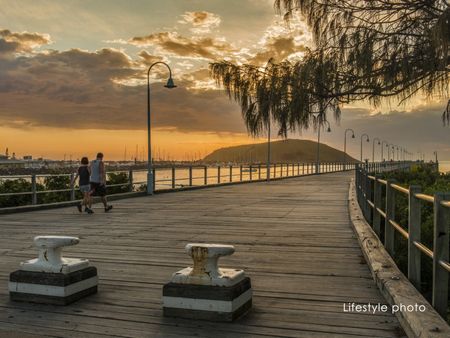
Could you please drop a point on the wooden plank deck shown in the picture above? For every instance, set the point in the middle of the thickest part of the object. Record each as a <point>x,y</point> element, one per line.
<point>293,238</point>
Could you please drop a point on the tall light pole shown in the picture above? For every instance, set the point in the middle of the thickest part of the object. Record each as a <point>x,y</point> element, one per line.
<point>169,85</point>
<point>345,145</point>
<point>361,154</point>
<point>373,147</point>
<point>435,156</point>
<point>268,150</point>
<point>318,145</point>
<point>387,145</point>
<point>319,122</point>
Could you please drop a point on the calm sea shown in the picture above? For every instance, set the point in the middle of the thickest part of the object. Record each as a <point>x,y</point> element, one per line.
<point>444,166</point>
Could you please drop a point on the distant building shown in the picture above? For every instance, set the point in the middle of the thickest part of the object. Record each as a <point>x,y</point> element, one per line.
<point>28,157</point>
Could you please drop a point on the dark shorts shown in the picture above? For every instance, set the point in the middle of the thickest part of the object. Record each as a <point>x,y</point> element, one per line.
<point>98,189</point>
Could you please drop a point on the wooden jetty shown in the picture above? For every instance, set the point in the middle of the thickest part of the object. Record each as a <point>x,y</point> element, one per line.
<point>293,238</point>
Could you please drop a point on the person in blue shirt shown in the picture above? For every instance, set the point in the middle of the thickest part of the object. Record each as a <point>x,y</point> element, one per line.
<point>84,173</point>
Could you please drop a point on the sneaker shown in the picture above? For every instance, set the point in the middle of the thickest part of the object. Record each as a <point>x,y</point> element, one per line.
<point>108,208</point>
<point>79,207</point>
<point>89,211</point>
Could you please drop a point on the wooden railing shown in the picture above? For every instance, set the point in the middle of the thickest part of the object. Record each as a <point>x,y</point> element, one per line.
<point>369,192</point>
<point>172,178</point>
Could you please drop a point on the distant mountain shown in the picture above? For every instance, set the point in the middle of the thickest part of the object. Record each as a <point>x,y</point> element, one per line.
<point>285,151</point>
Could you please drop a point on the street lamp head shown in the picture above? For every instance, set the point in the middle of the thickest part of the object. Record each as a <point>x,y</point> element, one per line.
<point>368,140</point>
<point>170,83</point>
<point>379,142</point>
<point>353,135</point>
<point>329,130</point>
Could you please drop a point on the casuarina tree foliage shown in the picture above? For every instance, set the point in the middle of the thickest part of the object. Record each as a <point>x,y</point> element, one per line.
<point>371,50</point>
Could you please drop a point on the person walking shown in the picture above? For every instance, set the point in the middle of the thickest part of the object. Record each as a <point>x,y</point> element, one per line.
<point>84,173</point>
<point>98,180</point>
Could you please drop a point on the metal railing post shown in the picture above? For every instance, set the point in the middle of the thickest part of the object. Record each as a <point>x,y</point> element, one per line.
<point>250,174</point>
<point>231,173</point>
<point>173,177</point>
<point>33,190</point>
<point>72,187</point>
<point>190,176</point>
<point>389,231</point>
<point>414,221</point>
<point>130,181</point>
<point>376,217</point>
<point>240,173</point>
<point>440,253</point>
<point>205,175</point>
<point>154,178</point>
<point>259,171</point>
<point>218,174</point>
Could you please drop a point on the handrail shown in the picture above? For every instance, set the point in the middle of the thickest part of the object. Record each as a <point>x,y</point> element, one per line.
<point>369,196</point>
<point>400,188</point>
<point>189,177</point>
<point>426,198</point>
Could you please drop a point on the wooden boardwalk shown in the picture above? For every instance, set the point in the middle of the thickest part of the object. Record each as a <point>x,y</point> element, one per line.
<point>293,238</point>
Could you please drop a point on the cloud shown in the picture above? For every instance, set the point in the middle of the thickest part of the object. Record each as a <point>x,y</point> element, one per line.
<point>79,89</point>
<point>279,49</point>
<point>177,45</point>
<point>201,21</point>
<point>21,42</point>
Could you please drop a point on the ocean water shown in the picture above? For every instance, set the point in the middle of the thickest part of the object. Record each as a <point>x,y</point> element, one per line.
<point>444,166</point>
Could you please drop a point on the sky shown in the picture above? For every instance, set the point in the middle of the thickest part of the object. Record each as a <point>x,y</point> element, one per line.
<point>73,80</point>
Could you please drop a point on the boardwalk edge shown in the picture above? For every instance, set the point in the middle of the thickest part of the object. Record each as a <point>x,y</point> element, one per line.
<point>394,286</point>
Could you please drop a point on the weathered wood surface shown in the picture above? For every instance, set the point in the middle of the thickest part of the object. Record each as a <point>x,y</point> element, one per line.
<point>293,238</point>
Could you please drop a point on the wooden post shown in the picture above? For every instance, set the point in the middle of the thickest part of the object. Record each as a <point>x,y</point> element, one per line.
<point>231,173</point>
<point>240,173</point>
<point>376,217</point>
<point>205,175</point>
<point>440,253</point>
<point>173,177</point>
<point>251,174</point>
<point>281,171</point>
<point>259,171</point>
<point>33,190</point>
<point>190,176</point>
<point>274,170</point>
<point>390,214</point>
<point>218,174</point>
<point>369,198</point>
<point>414,221</point>
<point>298,169</point>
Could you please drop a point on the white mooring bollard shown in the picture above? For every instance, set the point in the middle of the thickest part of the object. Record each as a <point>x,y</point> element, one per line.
<point>206,291</point>
<point>51,278</point>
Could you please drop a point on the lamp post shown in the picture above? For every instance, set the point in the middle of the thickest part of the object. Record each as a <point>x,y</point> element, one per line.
<point>435,156</point>
<point>361,154</point>
<point>169,85</point>
<point>345,145</point>
<point>318,145</point>
<point>373,148</point>
<point>387,145</point>
<point>393,152</point>
<point>268,150</point>
<point>319,121</point>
